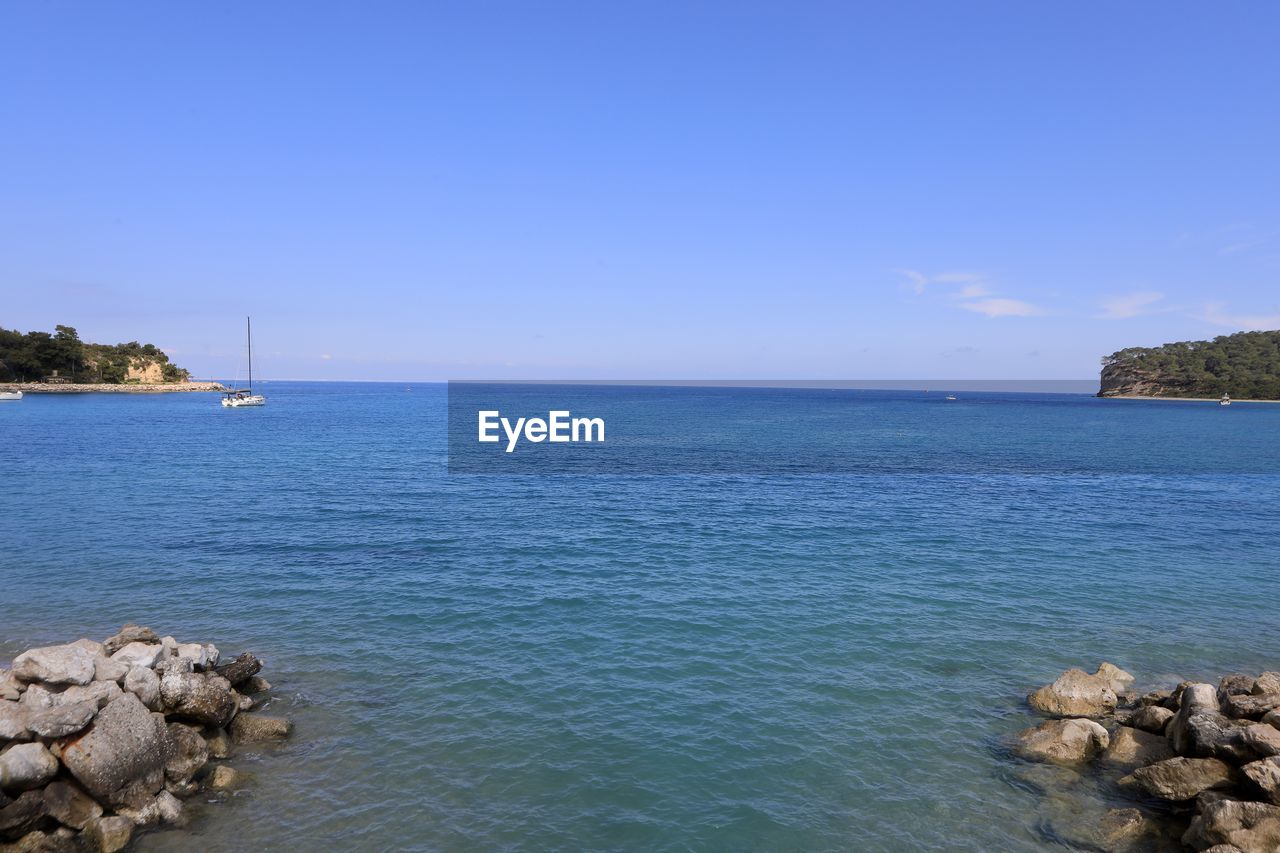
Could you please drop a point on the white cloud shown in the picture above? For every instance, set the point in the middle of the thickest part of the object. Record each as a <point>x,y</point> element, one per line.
<point>973,291</point>
<point>999,307</point>
<point>959,277</point>
<point>1216,313</point>
<point>326,357</point>
<point>918,279</point>
<point>1131,305</point>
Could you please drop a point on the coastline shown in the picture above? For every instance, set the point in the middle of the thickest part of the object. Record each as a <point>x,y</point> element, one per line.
<point>133,388</point>
<point>1180,399</point>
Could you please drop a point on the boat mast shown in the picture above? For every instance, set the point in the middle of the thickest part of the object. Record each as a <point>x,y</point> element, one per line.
<point>248,331</point>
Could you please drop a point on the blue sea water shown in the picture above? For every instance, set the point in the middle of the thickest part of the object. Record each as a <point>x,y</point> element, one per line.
<point>817,661</point>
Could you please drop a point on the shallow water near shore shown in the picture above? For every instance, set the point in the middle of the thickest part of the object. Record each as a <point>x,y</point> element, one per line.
<point>810,662</point>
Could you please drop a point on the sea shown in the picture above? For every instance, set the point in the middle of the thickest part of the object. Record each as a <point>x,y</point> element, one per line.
<point>733,658</point>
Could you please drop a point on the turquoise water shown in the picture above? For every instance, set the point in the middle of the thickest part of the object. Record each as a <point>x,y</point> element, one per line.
<point>682,662</point>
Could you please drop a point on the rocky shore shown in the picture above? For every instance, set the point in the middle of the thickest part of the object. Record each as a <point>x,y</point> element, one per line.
<point>105,388</point>
<point>1194,767</point>
<point>100,740</point>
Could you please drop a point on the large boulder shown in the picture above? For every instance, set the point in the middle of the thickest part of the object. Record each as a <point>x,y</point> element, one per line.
<point>1252,706</point>
<point>13,721</point>
<point>1264,778</point>
<point>26,765</point>
<point>258,728</point>
<point>1264,740</point>
<point>22,815</point>
<point>1193,699</point>
<point>109,834</point>
<point>100,693</point>
<point>130,633</point>
<point>1061,741</point>
<point>1152,718</point>
<point>139,654</point>
<point>198,698</point>
<point>145,684</point>
<point>1133,748</point>
<point>242,668</point>
<point>1182,778</point>
<point>1117,679</point>
<point>188,755</point>
<point>1075,693</point>
<point>70,806</point>
<point>1248,827</point>
<point>62,720</point>
<point>1266,684</point>
<point>69,664</point>
<point>1213,735</point>
<point>120,758</point>
<point>106,669</point>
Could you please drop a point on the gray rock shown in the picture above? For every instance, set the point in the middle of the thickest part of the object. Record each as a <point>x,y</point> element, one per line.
<point>257,728</point>
<point>1117,679</point>
<point>1264,778</point>
<point>120,759</point>
<point>106,669</point>
<point>198,698</point>
<point>62,720</point>
<point>188,755</point>
<point>1249,827</point>
<point>1251,707</point>
<point>170,809</point>
<point>1181,778</point>
<point>1194,699</point>
<point>145,684</point>
<point>1263,739</point>
<point>170,646</point>
<point>254,684</point>
<point>139,654</point>
<point>1061,741</point>
<point>70,806</point>
<point>195,653</point>
<point>1233,685</point>
<point>1132,748</point>
<point>100,693</point>
<point>1075,693</point>
<point>37,696</point>
<point>174,665</point>
<point>13,721</point>
<point>1155,697</point>
<point>1152,718</point>
<point>10,687</point>
<point>91,646</point>
<point>1211,735</point>
<point>109,834</point>
<point>26,765</point>
<point>1267,684</point>
<point>224,778</point>
<point>211,653</point>
<point>243,667</point>
<point>218,742</point>
<point>69,664</point>
<point>130,633</point>
<point>1271,718</point>
<point>22,815</point>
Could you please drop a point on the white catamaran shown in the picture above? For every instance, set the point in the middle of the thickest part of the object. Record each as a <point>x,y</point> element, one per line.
<point>244,396</point>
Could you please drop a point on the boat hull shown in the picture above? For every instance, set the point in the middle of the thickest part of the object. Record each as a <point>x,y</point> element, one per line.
<point>244,402</point>
<point>10,396</point>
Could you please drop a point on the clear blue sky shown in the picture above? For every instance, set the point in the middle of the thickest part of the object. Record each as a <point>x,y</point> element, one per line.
<point>409,190</point>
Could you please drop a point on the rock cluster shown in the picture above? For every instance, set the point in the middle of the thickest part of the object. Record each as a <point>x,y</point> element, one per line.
<point>98,740</point>
<point>1201,760</point>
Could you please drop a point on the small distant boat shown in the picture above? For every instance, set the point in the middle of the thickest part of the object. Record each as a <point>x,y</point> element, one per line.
<point>10,395</point>
<point>241,398</point>
<point>951,396</point>
<point>1225,401</point>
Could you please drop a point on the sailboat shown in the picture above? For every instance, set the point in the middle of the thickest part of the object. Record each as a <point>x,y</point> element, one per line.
<point>1225,401</point>
<point>244,396</point>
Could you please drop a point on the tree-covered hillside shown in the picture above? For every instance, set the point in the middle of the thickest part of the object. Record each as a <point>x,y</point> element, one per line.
<point>1245,365</point>
<point>36,356</point>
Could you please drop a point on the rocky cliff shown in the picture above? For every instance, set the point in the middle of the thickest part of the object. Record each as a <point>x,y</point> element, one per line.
<point>1245,365</point>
